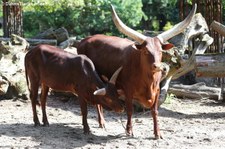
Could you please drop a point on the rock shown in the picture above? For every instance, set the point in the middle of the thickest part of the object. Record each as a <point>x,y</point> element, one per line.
<point>4,85</point>
<point>12,75</point>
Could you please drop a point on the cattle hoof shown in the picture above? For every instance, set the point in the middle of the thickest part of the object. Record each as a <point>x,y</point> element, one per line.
<point>101,126</point>
<point>36,124</point>
<point>158,137</point>
<point>87,132</point>
<point>129,134</point>
<point>46,125</point>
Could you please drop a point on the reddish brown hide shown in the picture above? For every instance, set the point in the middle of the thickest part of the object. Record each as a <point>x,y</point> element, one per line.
<point>140,77</point>
<point>54,68</point>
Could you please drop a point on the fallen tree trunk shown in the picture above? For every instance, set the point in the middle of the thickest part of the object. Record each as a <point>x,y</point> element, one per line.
<point>34,42</point>
<point>195,91</point>
<point>210,65</point>
<point>69,42</point>
<point>47,34</point>
<point>60,34</point>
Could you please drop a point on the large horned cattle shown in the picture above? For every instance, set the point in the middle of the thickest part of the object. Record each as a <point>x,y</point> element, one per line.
<point>141,74</point>
<point>54,68</point>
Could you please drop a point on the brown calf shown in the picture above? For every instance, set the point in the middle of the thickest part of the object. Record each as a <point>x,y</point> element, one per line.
<point>54,68</point>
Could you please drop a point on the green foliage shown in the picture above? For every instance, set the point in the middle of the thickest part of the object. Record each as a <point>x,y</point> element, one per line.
<point>86,17</point>
<point>80,17</point>
<point>96,16</point>
<point>155,24</point>
<point>160,11</point>
<point>167,26</point>
<point>223,10</point>
<point>170,98</point>
<point>43,14</point>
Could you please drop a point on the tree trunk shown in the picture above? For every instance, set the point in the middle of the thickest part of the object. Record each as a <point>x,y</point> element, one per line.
<point>220,28</point>
<point>60,34</point>
<point>69,42</point>
<point>34,42</point>
<point>196,91</point>
<point>210,65</point>
<point>48,34</point>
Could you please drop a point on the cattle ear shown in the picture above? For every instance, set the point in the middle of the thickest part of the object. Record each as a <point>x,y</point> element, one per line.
<point>140,46</point>
<point>167,46</point>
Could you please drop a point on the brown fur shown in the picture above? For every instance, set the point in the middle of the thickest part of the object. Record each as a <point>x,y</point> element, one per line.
<point>54,68</point>
<point>138,79</point>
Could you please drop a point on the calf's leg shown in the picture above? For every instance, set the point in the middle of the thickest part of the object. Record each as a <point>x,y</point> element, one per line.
<point>101,119</point>
<point>34,102</point>
<point>83,106</point>
<point>44,93</point>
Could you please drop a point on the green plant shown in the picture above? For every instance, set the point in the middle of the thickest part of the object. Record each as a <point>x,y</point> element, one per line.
<point>81,17</point>
<point>167,26</point>
<point>169,98</point>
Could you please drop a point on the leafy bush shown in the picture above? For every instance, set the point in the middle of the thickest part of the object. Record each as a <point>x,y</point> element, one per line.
<point>83,17</point>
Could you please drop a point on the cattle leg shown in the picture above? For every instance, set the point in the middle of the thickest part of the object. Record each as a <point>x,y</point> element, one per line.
<point>129,107</point>
<point>101,119</point>
<point>34,102</point>
<point>83,106</point>
<point>44,93</point>
<point>154,112</point>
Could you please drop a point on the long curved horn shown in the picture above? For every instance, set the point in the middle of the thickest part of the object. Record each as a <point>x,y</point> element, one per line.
<point>125,29</point>
<point>178,28</point>
<point>115,75</point>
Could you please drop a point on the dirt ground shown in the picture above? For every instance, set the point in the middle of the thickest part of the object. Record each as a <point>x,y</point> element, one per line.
<point>184,124</point>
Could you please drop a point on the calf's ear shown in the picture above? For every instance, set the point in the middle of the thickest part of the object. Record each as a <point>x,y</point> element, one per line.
<point>167,46</point>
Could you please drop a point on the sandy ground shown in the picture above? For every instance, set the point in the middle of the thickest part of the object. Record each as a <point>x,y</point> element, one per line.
<point>184,124</point>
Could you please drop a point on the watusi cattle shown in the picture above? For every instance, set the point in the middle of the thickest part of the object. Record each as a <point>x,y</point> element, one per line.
<point>54,68</point>
<point>142,69</point>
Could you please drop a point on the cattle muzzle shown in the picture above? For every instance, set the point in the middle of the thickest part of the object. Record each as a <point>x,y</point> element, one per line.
<point>116,106</point>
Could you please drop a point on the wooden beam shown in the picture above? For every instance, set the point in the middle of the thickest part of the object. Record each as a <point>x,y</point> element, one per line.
<point>210,65</point>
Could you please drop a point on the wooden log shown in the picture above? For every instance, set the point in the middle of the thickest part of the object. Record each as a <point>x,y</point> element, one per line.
<point>34,42</point>
<point>210,65</point>
<point>5,39</point>
<point>220,28</point>
<point>69,42</point>
<point>60,34</point>
<point>48,34</point>
<point>196,91</point>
